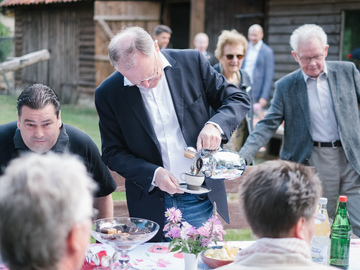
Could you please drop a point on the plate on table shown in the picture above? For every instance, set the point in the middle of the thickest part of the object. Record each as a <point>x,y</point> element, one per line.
<point>202,190</point>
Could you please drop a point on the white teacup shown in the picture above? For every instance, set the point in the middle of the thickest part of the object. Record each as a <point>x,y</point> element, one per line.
<point>193,182</point>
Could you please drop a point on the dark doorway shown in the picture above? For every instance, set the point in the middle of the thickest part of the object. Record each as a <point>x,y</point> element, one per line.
<point>179,15</point>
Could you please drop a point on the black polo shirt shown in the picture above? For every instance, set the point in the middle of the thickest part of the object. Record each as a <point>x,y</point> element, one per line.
<point>71,140</point>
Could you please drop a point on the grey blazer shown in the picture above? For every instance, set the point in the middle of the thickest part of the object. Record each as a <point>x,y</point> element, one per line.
<point>290,104</point>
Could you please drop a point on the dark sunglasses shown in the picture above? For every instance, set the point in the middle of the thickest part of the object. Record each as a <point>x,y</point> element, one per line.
<point>231,56</point>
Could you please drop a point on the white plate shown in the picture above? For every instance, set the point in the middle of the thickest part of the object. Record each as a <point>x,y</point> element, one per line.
<point>202,190</point>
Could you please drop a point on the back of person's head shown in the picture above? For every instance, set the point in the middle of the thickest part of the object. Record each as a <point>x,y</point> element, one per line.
<point>37,96</point>
<point>161,28</point>
<point>305,33</point>
<point>126,44</point>
<point>42,199</point>
<point>232,37</point>
<point>276,194</point>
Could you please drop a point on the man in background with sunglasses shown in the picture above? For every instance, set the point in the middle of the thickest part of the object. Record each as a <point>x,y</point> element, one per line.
<point>319,104</point>
<point>259,64</point>
<point>154,105</point>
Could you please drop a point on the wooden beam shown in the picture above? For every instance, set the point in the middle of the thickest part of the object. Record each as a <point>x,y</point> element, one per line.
<point>126,17</point>
<point>197,19</point>
<point>24,61</point>
<point>106,28</point>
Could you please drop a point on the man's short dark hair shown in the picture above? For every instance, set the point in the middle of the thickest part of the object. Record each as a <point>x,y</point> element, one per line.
<point>162,28</point>
<point>37,96</point>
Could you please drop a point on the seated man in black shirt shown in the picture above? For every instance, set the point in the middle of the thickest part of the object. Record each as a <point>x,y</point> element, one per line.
<point>39,129</point>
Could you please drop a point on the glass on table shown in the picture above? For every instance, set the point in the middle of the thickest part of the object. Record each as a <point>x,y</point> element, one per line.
<point>124,234</point>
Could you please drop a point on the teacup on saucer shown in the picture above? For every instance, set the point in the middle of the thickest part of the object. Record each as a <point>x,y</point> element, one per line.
<point>193,182</point>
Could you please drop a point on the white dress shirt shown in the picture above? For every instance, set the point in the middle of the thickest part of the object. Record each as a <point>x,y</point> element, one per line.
<point>251,57</point>
<point>323,122</point>
<point>160,107</point>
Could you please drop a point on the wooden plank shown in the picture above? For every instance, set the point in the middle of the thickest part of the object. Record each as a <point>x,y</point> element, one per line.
<point>106,28</point>
<point>299,20</point>
<point>311,9</point>
<point>24,61</point>
<point>126,17</point>
<point>308,2</point>
<point>197,19</point>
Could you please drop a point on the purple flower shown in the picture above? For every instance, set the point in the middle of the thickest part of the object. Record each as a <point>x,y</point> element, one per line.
<point>187,231</point>
<point>185,236</point>
<point>205,242</point>
<point>204,231</point>
<point>173,215</point>
<point>174,232</point>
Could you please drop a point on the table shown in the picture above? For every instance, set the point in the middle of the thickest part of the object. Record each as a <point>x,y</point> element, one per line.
<point>156,256</point>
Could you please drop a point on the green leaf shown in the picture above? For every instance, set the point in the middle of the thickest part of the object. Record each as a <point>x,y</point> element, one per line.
<point>175,249</point>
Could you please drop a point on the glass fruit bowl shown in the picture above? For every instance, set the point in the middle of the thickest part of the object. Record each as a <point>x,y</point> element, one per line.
<point>124,234</point>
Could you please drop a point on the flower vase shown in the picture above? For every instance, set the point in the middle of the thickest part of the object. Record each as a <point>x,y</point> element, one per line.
<point>190,261</point>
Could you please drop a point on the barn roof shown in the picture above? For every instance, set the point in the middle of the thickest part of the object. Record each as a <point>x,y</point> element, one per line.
<point>9,3</point>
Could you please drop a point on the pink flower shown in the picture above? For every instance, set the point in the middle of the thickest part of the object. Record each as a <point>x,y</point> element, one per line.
<point>203,231</point>
<point>205,242</point>
<point>174,232</point>
<point>173,215</point>
<point>187,231</point>
<point>186,237</point>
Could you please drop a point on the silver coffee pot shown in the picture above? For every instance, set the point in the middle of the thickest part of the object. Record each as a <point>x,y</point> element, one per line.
<point>217,164</point>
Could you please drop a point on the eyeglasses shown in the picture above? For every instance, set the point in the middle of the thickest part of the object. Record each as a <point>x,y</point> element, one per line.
<point>307,60</point>
<point>231,56</point>
<point>151,77</point>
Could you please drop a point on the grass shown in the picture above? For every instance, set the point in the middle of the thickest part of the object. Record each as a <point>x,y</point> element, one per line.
<point>86,119</point>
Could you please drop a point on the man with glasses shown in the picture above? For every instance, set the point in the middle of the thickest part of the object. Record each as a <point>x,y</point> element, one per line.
<point>319,104</point>
<point>154,105</point>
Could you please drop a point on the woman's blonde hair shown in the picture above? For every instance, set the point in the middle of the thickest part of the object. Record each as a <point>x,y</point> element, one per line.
<point>232,37</point>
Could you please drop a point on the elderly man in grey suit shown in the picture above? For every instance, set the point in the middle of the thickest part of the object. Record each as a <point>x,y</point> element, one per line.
<point>319,105</point>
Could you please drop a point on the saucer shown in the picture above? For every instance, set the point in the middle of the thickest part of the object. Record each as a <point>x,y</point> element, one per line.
<point>202,189</point>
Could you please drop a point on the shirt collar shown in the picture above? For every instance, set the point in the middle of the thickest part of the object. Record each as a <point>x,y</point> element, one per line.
<point>325,72</point>
<point>258,45</point>
<point>164,64</point>
<point>59,147</point>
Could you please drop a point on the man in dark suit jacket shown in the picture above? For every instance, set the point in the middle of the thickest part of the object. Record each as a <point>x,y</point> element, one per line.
<point>319,105</point>
<point>153,106</point>
<point>259,64</point>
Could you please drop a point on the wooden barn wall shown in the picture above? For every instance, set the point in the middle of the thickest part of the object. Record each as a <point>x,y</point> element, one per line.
<point>110,17</point>
<point>285,16</point>
<point>67,31</point>
<point>235,14</point>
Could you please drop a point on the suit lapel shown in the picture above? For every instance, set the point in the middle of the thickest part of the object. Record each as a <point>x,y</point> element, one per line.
<point>300,89</point>
<point>333,81</point>
<point>134,99</point>
<point>174,80</point>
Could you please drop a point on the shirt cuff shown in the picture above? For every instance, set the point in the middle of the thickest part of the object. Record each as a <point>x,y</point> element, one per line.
<point>153,185</point>
<point>223,136</point>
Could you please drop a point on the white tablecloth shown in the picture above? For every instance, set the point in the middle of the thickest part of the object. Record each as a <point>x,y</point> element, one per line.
<point>156,256</point>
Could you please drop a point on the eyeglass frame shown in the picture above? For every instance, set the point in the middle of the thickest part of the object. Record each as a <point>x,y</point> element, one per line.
<point>238,56</point>
<point>307,60</point>
<point>151,77</point>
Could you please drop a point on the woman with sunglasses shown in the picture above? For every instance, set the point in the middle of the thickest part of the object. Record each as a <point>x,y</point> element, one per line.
<point>230,50</point>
